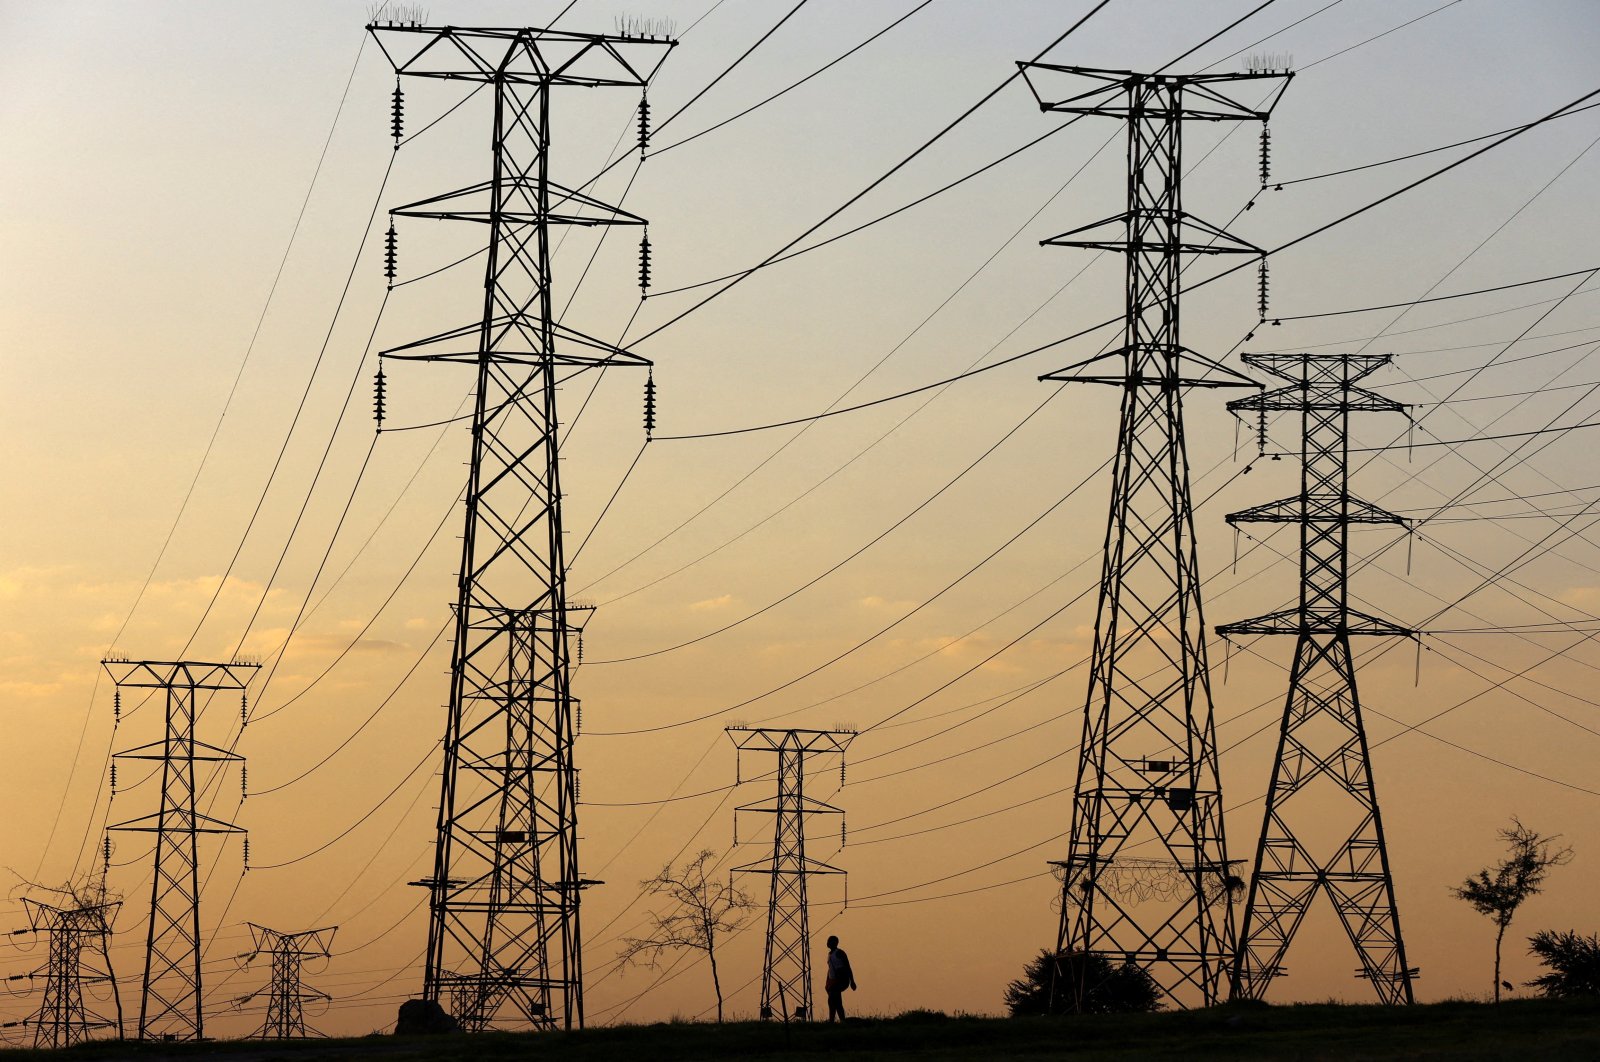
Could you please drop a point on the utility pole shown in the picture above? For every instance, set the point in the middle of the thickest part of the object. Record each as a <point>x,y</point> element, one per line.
<point>171,1001</point>
<point>786,967</point>
<point>287,995</point>
<point>504,947</point>
<point>79,956</point>
<point>1322,830</point>
<point>1147,879</point>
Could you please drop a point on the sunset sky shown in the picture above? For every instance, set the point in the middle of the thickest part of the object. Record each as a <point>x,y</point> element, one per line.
<point>189,284</point>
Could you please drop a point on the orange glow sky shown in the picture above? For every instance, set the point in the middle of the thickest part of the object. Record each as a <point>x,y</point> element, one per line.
<point>155,161</point>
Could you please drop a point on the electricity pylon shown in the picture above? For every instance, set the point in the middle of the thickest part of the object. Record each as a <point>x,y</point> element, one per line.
<point>286,994</point>
<point>171,1000</point>
<point>786,965</point>
<point>1147,879</point>
<point>1322,830</point>
<point>79,956</point>
<point>503,897</point>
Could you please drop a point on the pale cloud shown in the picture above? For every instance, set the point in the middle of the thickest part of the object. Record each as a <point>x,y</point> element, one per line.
<point>1583,598</point>
<point>876,603</point>
<point>712,603</point>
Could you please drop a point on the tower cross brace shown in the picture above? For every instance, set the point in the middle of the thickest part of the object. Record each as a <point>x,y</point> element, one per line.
<point>286,992</point>
<point>171,998</point>
<point>79,955</point>
<point>786,962</point>
<point>1322,769</point>
<point>504,944</point>
<point>1147,880</point>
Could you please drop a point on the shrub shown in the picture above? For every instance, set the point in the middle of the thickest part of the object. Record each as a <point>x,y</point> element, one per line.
<point>1081,983</point>
<point>1573,961</point>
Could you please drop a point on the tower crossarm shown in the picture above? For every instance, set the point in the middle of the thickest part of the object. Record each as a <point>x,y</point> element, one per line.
<point>1316,507</point>
<point>1202,97</point>
<point>520,56</point>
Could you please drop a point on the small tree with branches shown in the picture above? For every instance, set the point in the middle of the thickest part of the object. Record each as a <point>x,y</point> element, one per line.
<point>1573,961</point>
<point>702,909</point>
<point>1498,890</point>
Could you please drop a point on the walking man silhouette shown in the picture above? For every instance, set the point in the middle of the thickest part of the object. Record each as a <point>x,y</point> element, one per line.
<point>840,977</point>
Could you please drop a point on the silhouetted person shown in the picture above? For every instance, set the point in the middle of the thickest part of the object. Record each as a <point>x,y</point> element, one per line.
<point>840,977</point>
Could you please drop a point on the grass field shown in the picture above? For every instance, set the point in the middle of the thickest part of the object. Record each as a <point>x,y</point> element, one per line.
<point>1526,1030</point>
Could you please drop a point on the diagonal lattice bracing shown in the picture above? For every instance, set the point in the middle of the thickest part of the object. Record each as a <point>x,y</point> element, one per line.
<point>287,993</point>
<point>1147,796</point>
<point>171,998</point>
<point>786,965</point>
<point>1322,772</point>
<point>79,958</point>
<point>504,942</point>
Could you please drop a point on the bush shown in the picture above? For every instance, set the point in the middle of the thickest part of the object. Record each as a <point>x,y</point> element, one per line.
<point>1573,961</point>
<point>1081,983</point>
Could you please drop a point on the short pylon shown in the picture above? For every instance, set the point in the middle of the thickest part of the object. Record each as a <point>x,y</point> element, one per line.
<point>1322,831</point>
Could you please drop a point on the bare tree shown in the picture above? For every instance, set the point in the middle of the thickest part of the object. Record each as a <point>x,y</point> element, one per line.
<point>1498,890</point>
<point>702,909</point>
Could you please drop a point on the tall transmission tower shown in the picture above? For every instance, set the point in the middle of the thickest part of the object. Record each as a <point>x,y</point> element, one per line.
<point>504,946</point>
<point>1147,879</point>
<point>1322,830</point>
<point>79,957</point>
<point>786,965</point>
<point>171,1001</point>
<point>286,993</point>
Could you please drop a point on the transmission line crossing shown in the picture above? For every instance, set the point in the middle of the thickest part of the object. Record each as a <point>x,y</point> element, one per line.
<point>1322,830</point>
<point>79,955</point>
<point>1147,767</point>
<point>286,993</point>
<point>786,963</point>
<point>171,994</point>
<point>504,944</point>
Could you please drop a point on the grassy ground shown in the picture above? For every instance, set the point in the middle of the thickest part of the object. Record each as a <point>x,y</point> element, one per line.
<point>1525,1030</point>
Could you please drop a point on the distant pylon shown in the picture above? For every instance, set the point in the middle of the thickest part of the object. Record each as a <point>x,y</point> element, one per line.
<point>171,1000</point>
<point>1322,830</point>
<point>1147,879</point>
<point>79,956</point>
<point>504,947</point>
<point>287,994</point>
<point>786,965</point>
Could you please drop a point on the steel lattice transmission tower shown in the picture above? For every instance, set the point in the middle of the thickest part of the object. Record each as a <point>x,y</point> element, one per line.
<point>286,993</point>
<point>171,1000</point>
<point>503,936</point>
<point>1147,878</point>
<point>79,956</point>
<point>786,965</point>
<point>1322,831</point>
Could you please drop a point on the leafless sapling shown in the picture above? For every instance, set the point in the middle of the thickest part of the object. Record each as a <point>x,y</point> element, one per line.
<point>702,909</point>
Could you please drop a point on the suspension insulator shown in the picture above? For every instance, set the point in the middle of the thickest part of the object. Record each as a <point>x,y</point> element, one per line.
<point>580,649</point>
<point>244,781</point>
<point>1261,431</point>
<point>1266,153</point>
<point>244,710</point>
<point>841,774</point>
<point>580,717</point>
<point>841,832</point>
<point>397,109</point>
<point>247,852</point>
<point>106,848</point>
<point>577,786</point>
<point>644,124</point>
<point>1261,290</point>
<point>391,247</point>
<point>644,262</point>
<point>380,391</point>
<point>116,709</point>
<point>650,404</point>
<point>113,779</point>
